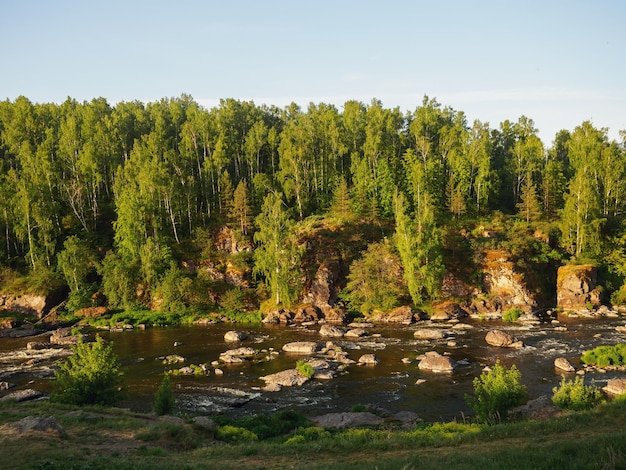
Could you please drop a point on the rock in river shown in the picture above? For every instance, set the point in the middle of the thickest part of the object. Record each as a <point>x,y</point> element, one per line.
<point>331,331</point>
<point>502,339</point>
<point>234,336</point>
<point>564,365</point>
<point>435,362</point>
<point>301,347</point>
<point>286,378</point>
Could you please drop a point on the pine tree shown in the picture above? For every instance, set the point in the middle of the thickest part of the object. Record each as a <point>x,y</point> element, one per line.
<point>341,201</point>
<point>529,206</point>
<point>226,193</point>
<point>240,211</point>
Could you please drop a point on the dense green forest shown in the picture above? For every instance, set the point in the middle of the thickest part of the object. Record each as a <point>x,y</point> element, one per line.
<point>115,199</point>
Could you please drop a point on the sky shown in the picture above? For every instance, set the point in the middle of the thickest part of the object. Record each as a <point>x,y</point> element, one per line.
<point>558,62</point>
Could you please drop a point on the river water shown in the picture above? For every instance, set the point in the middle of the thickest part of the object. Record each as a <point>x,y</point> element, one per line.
<point>391,384</point>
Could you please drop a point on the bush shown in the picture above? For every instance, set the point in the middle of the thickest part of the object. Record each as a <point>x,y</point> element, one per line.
<point>91,376</point>
<point>164,398</point>
<point>512,315</point>
<point>604,356</point>
<point>235,434</point>
<point>575,395</point>
<point>305,369</point>
<point>496,392</point>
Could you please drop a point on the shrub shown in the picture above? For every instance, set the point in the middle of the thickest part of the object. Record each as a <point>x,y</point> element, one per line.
<point>358,408</point>
<point>91,376</point>
<point>604,356</point>
<point>164,397</point>
<point>234,434</point>
<point>512,315</point>
<point>575,395</point>
<point>305,369</point>
<point>496,392</point>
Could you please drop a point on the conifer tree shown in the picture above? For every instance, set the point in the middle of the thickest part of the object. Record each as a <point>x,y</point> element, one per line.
<point>226,193</point>
<point>240,211</point>
<point>529,206</point>
<point>341,201</point>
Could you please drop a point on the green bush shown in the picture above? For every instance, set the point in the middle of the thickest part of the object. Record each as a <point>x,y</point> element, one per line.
<point>305,369</point>
<point>496,392</point>
<point>164,397</point>
<point>91,376</point>
<point>511,315</point>
<point>234,434</point>
<point>276,424</point>
<point>604,356</point>
<point>575,395</point>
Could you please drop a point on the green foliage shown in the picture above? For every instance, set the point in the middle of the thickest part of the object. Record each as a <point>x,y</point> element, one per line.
<point>358,408</point>
<point>80,298</point>
<point>375,281</point>
<point>164,398</point>
<point>265,426</point>
<point>511,315</point>
<point>604,356</point>
<point>75,262</point>
<point>234,434</point>
<point>233,300</point>
<point>305,369</point>
<point>495,392</point>
<point>91,376</point>
<point>575,395</point>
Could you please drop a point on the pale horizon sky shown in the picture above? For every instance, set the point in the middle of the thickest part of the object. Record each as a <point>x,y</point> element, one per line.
<point>557,62</point>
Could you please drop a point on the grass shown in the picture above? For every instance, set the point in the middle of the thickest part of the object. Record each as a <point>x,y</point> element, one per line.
<point>99,437</point>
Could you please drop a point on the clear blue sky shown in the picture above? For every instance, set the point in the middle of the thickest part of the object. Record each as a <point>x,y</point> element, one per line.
<point>558,62</point>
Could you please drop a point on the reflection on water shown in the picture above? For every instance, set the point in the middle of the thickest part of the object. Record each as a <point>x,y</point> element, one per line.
<point>390,384</point>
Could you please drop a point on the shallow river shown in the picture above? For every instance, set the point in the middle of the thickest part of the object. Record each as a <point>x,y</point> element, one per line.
<point>390,384</point>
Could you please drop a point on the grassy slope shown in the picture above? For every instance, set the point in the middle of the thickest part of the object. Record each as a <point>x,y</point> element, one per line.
<point>104,438</point>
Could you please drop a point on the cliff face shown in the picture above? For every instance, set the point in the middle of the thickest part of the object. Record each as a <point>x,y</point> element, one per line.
<point>504,284</point>
<point>576,287</point>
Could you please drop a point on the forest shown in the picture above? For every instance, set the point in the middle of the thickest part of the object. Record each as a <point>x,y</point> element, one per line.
<point>112,201</point>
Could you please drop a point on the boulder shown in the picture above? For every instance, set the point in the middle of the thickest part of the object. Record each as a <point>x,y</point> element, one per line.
<point>615,387</point>
<point>245,352</point>
<point>173,359</point>
<point>399,315</point>
<point>205,423</point>
<point>286,378</point>
<point>234,336</point>
<point>429,334</point>
<point>356,333</point>
<point>33,423</point>
<point>8,323</point>
<point>444,311</point>
<point>335,315</point>
<point>36,345</point>
<point>369,359</point>
<point>501,339</point>
<point>64,337</point>
<point>347,420</point>
<point>564,365</point>
<point>22,395</point>
<point>331,331</point>
<point>5,386</point>
<point>301,347</point>
<point>306,313</point>
<point>435,362</point>
<point>576,287</point>
<point>538,409</point>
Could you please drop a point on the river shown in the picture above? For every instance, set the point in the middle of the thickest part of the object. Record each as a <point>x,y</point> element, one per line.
<point>391,384</point>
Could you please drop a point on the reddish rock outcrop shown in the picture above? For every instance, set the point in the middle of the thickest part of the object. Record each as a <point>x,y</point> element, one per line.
<point>503,283</point>
<point>576,287</point>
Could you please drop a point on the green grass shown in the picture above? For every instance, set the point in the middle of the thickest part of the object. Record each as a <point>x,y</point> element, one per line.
<point>99,437</point>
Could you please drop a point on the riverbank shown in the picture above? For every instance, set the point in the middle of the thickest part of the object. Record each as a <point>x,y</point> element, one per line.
<point>115,438</point>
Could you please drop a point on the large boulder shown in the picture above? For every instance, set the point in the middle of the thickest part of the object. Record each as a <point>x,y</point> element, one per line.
<point>615,387</point>
<point>234,336</point>
<point>331,331</point>
<point>447,310</point>
<point>435,362</point>
<point>429,334</point>
<point>301,347</point>
<point>502,339</point>
<point>286,378</point>
<point>306,313</point>
<point>399,315</point>
<point>576,287</point>
<point>368,359</point>
<point>347,420</point>
<point>564,365</point>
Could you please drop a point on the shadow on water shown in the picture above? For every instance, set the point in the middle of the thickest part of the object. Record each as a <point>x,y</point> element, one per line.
<point>391,384</point>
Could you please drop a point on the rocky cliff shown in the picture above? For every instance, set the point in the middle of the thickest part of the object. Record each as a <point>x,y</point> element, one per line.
<point>576,287</point>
